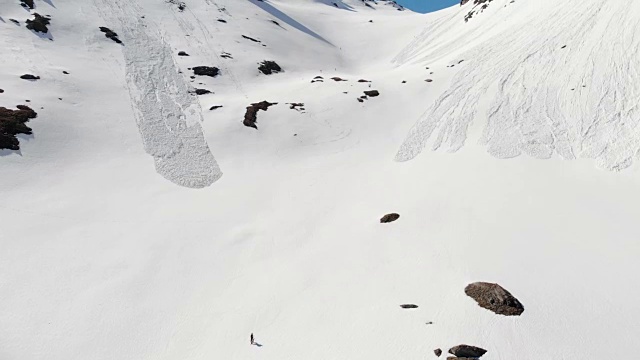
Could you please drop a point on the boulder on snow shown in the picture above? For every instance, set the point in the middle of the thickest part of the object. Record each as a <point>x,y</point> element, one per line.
<point>29,77</point>
<point>202,91</point>
<point>467,351</point>
<point>409,306</point>
<point>269,67</point>
<point>438,352</point>
<point>495,298</point>
<point>38,23</point>
<point>372,93</point>
<point>182,53</point>
<point>389,218</point>
<point>13,122</point>
<point>215,107</point>
<point>337,78</point>
<point>27,4</point>
<point>206,71</point>
<point>1,91</point>
<point>251,115</point>
<point>110,34</point>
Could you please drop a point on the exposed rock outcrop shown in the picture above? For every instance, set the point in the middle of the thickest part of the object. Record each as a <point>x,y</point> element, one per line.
<point>251,115</point>
<point>206,71</point>
<point>269,67</point>
<point>29,77</point>
<point>389,218</point>
<point>38,23</point>
<point>495,298</point>
<point>13,122</point>
<point>438,352</point>
<point>372,93</point>
<point>467,351</point>
<point>110,34</point>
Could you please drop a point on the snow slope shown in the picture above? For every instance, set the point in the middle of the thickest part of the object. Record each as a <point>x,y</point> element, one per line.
<point>138,224</point>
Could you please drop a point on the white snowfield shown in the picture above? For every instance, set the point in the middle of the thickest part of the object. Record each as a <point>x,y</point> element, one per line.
<point>135,223</point>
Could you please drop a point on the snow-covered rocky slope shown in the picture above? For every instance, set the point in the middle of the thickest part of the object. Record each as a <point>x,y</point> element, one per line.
<point>143,221</point>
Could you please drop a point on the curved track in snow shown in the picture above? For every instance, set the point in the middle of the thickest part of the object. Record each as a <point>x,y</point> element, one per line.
<point>575,101</point>
<point>168,117</point>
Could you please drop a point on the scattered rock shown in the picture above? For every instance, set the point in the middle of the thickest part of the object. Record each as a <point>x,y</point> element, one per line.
<point>275,22</point>
<point>226,55</point>
<point>39,23</point>
<point>269,67</point>
<point>12,123</point>
<point>372,93</point>
<point>251,115</point>
<point>336,78</point>
<point>202,91</point>
<point>495,298</point>
<point>29,77</point>
<point>409,306</point>
<point>182,53</point>
<point>294,106</point>
<point>404,81</point>
<point>222,21</point>
<point>65,72</point>
<point>15,21</point>
<point>214,107</point>
<point>110,34</point>
<point>359,100</point>
<point>27,4</point>
<point>206,71</point>
<point>250,38</point>
<point>563,46</point>
<point>438,352</point>
<point>363,81</point>
<point>389,218</point>
<point>467,351</point>
<point>429,80</point>
<point>1,91</point>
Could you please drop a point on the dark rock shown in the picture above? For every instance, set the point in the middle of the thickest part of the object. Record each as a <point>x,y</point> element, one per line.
<point>359,100</point>
<point>1,91</point>
<point>409,306</point>
<point>251,115</point>
<point>15,21</point>
<point>110,34</point>
<point>269,67</point>
<point>467,351</point>
<point>404,81</point>
<point>250,38</point>
<point>202,91</point>
<point>372,93</point>
<point>182,53</point>
<point>460,358</point>
<point>429,80</point>
<point>389,218</point>
<point>38,23</point>
<point>336,78</point>
<point>13,122</point>
<point>293,106</point>
<point>226,55</point>
<point>563,46</point>
<point>222,21</point>
<point>438,352</point>
<point>206,71</point>
<point>275,22</point>
<point>363,81</point>
<point>495,298</point>
<point>65,72</point>
<point>27,4</point>
<point>214,107</point>
<point>29,77</point>
<point>318,77</point>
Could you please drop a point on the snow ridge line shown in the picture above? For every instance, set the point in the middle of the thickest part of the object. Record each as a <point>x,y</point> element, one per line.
<point>168,117</point>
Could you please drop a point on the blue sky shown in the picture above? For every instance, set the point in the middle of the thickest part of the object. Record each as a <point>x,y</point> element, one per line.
<point>427,5</point>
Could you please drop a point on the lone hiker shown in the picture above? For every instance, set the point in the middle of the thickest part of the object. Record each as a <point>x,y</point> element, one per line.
<point>252,340</point>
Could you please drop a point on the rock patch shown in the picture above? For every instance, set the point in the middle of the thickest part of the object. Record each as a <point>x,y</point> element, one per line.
<point>409,306</point>
<point>250,38</point>
<point>372,93</point>
<point>337,78</point>
<point>495,298</point>
<point>438,352</point>
<point>467,351</point>
<point>38,23</point>
<point>110,34</point>
<point>251,115</point>
<point>12,123</point>
<point>202,91</point>
<point>27,4</point>
<point>269,67</point>
<point>389,218</point>
<point>214,107</point>
<point>182,53</point>
<point>29,77</point>
<point>206,71</point>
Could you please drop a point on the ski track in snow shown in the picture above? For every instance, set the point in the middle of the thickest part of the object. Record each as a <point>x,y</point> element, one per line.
<point>534,109</point>
<point>168,117</point>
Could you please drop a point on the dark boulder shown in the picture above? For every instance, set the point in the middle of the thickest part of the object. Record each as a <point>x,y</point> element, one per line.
<point>251,115</point>
<point>27,4</point>
<point>337,78</point>
<point>202,91</point>
<point>1,91</point>
<point>110,34</point>
<point>13,122</point>
<point>214,107</point>
<point>409,306</point>
<point>389,218</point>
<point>182,53</point>
<point>372,93</point>
<point>467,351</point>
<point>38,23</point>
<point>29,77</point>
<point>206,71</point>
<point>269,67</point>
<point>495,298</point>
<point>364,81</point>
<point>429,80</point>
<point>250,38</point>
<point>438,352</point>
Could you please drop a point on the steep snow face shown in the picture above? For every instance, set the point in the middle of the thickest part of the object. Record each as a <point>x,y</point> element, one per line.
<point>555,78</point>
<point>143,221</point>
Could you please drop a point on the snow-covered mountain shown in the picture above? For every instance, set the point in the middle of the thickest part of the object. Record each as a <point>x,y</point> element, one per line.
<point>201,170</point>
